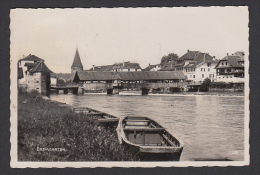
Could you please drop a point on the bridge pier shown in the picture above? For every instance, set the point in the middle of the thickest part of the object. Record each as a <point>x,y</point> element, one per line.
<point>145,91</point>
<point>75,91</point>
<point>109,91</point>
<point>66,91</point>
<point>115,91</point>
<point>81,90</point>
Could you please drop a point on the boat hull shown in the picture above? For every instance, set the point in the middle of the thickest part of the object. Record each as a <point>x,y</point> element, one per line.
<point>152,141</point>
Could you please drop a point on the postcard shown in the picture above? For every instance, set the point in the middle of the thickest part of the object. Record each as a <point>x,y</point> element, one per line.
<point>129,87</point>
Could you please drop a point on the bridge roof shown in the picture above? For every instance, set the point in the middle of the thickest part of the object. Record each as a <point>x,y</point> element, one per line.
<point>130,76</point>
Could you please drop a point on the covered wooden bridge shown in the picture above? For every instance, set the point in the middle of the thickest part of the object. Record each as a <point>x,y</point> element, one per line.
<point>113,82</point>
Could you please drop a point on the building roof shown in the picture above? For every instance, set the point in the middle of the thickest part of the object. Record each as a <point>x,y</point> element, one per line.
<point>40,67</point>
<point>20,72</point>
<point>196,56</point>
<point>128,76</point>
<point>31,58</point>
<point>95,75</point>
<point>199,63</point>
<point>150,67</point>
<point>102,68</point>
<point>77,61</point>
<point>172,65</point>
<point>124,65</point>
<point>240,53</point>
<point>30,65</point>
<point>233,61</point>
<point>189,55</point>
<point>127,65</point>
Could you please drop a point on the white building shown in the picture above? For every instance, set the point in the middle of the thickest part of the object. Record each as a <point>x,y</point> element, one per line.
<point>197,72</point>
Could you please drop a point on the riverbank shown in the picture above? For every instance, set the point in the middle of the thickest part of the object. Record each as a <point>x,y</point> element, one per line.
<point>222,94</point>
<point>51,131</point>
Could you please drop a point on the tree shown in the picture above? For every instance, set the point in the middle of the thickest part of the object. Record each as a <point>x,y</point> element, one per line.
<point>169,57</point>
<point>204,87</point>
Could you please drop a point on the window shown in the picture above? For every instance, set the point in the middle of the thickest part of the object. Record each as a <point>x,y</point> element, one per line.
<point>213,75</point>
<point>208,69</point>
<point>128,70</point>
<point>201,69</point>
<point>193,76</point>
<point>226,63</point>
<point>186,70</point>
<point>202,75</point>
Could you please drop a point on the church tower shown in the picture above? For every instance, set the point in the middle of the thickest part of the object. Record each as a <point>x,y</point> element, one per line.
<point>76,65</point>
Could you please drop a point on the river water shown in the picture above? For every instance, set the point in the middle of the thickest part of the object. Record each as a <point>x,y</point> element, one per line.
<point>211,126</point>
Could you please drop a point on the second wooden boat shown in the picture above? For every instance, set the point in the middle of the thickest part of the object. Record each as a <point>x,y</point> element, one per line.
<point>102,117</point>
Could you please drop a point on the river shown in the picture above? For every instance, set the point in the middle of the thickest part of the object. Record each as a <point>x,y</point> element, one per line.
<point>211,126</point>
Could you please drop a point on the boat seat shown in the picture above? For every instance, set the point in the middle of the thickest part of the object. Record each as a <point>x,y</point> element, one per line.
<point>130,120</point>
<point>136,126</point>
<point>144,129</point>
<point>135,118</point>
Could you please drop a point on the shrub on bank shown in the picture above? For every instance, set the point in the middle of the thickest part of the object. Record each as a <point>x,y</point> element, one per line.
<point>45,124</point>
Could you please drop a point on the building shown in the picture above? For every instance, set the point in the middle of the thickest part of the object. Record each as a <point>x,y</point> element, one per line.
<point>172,66</point>
<point>33,74</point>
<point>189,59</point>
<point>231,69</point>
<point>53,80</point>
<point>195,65</point>
<point>197,72</point>
<point>154,67</point>
<point>24,65</point>
<point>37,78</point>
<point>76,65</point>
<point>125,66</point>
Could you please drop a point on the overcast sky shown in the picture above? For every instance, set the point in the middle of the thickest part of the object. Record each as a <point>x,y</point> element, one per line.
<point>108,35</point>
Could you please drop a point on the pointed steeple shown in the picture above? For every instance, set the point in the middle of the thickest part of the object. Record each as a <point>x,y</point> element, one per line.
<point>76,65</point>
<point>77,61</point>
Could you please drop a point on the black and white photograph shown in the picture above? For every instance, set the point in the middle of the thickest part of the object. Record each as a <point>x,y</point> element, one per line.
<point>129,87</point>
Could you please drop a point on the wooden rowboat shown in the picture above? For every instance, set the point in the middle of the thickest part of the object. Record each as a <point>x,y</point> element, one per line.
<point>152,140</point>
<point>107,118</point>
<point>102,117</point>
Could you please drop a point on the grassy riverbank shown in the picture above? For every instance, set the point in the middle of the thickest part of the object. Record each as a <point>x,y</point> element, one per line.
<point>46,124</point>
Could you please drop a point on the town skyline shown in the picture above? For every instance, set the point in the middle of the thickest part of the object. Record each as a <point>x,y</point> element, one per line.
<point>117,38</point>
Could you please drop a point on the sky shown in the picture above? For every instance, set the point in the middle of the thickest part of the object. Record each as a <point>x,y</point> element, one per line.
<point>105,36</point>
